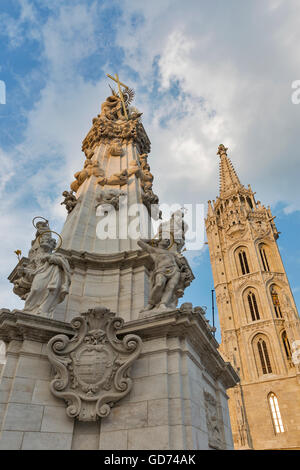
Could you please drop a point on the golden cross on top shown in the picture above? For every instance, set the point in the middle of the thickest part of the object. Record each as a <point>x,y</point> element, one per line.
<point>120,91</point>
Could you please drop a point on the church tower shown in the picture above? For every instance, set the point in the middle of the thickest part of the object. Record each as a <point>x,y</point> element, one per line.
<point>260,326</point>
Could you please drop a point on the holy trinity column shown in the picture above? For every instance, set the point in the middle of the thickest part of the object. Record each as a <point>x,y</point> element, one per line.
<point>101,301</point>
<point>110,207</point>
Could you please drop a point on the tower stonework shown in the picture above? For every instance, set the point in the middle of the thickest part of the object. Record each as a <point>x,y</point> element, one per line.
<point>259,322</point>
<point>101,357</point>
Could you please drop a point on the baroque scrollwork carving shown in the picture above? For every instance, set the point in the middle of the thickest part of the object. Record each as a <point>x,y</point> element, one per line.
<point>92,368</point>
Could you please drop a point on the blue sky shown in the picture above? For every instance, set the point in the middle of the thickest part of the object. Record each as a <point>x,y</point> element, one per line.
<point>205,73</point>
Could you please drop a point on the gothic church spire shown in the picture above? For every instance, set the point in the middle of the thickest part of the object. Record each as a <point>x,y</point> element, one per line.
<point>228,177</point>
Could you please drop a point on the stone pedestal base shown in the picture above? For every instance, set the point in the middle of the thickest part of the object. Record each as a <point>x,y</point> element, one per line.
<point>178,399</point>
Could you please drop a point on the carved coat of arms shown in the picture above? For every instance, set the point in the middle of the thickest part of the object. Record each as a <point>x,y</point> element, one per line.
<point>92,368</point>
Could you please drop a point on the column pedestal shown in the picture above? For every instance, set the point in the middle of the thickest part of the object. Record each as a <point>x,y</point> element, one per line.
<point>178,399</point>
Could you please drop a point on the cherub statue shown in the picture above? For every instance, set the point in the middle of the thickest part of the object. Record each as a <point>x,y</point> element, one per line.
<point>151,202</point>
<point>89,168</point>
<point>70,200</point>
<point>88,153</point>
<point>110,196</point>
<point>117,179</point>
<point>144,162</point>
<point>147,179</point>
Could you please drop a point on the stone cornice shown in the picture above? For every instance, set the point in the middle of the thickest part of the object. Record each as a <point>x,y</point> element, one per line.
<point>125,259</point>
<point>194,328</point>
<point>84,260</point>
<point>270,378</point>
<point>266,274</point>
<point>17,325</point>
<point>257,325</point>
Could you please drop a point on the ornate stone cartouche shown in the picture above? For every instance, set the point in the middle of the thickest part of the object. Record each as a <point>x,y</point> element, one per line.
<point>92,368</point>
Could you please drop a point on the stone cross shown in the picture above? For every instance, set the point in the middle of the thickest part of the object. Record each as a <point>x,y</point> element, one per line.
<point>120,91</point>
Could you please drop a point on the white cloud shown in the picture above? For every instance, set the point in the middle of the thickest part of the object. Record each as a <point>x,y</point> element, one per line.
<point>15,28</point>
<point>243,73</point>
<point>7,170</point>
<point>42,165</point>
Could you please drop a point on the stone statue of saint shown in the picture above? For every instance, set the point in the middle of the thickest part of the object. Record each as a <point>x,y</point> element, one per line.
<point>165,277</point>
<point>50,280</point>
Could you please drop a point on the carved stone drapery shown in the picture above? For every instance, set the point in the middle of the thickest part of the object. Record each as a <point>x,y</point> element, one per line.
<point>92,367</point>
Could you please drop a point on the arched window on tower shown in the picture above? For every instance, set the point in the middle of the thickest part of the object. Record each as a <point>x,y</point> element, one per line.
<point>275,413</point>
<point>264,258</point>
<point>249,202</point>
<point>287,348</point>
<point>276,302</point>
<point>242,261</point>
<point>262,354</point>
<point>253,307</point>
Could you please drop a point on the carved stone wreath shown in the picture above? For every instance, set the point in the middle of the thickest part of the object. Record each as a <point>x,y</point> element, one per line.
<point>92,367</point>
